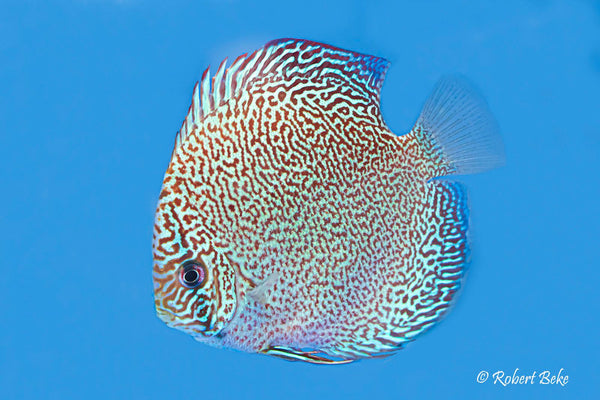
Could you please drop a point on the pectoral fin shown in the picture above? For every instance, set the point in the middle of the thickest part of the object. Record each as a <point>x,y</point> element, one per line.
<point>259,293</point>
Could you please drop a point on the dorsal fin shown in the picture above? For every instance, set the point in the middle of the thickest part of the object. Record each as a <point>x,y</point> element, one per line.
<point>285,59</point>
<point>316,60</point>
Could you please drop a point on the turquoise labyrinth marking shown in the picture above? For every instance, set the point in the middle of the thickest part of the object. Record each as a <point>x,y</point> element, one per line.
<point>325,237</point>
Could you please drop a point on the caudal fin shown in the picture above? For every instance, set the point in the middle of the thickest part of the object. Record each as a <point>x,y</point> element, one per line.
<point>459,124</point>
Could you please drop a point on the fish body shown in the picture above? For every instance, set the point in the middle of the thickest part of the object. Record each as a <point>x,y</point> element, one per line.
<point>293,222</point>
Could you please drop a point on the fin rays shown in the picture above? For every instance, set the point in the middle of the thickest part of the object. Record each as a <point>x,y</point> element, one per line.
<point>459,123</point>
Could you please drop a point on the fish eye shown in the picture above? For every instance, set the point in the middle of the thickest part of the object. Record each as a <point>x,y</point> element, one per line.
<point>192,274</point>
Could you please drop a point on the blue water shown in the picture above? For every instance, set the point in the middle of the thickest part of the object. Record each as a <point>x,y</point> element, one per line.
<point>92,93</point>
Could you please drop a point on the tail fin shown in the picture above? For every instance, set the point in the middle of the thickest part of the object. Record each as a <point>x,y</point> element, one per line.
<point>460,126</point>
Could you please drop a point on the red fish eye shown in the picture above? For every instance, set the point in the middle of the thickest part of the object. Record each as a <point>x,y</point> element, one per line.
<point>192,274</point>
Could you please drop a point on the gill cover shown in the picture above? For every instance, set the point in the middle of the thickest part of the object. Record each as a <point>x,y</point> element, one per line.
<point>207,308</point>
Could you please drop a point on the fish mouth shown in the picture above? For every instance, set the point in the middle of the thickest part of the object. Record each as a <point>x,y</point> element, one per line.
<point>165,316</point>
<point>195,329</point>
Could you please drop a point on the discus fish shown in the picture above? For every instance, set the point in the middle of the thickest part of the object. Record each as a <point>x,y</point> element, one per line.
<point>292,222</point>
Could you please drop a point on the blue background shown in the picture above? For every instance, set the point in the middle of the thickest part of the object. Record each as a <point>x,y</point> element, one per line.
<point>91,95</point>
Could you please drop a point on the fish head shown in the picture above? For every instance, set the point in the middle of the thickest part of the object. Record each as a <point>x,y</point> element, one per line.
<point>194,282</point>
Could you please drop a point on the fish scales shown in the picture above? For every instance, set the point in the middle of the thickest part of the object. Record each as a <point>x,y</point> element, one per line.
<point>313,232</point>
